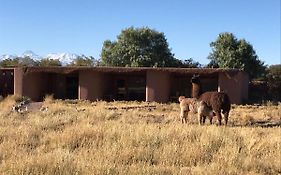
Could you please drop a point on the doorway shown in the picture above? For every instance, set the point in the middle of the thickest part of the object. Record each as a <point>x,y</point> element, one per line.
<point>71,83</point>
<point>6,82</point>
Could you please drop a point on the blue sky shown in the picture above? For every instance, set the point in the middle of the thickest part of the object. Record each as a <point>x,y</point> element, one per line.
<point>81,26</point>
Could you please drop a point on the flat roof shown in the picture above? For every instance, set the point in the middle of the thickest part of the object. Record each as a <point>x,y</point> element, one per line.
<point>71,69</point>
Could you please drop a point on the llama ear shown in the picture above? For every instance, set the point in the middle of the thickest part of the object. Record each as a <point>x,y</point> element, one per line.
<point>195,76</point>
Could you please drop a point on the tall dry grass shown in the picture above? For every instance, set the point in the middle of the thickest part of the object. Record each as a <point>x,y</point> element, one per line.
<point>80,137</point>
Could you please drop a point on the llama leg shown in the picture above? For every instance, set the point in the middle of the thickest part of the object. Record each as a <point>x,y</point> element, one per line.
<point>199,118</point>
<point>181,115</point>
<point>211,118</point>
<point>226,117</point>
<point>204,119</point>
<point>185,116</point>
<point>218,114</point>
<point>182,119</point>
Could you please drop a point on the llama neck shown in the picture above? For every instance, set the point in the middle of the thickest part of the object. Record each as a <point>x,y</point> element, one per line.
<point>196,90</point>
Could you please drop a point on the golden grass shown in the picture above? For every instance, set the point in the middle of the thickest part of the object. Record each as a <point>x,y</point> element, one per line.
<point>80,137</point>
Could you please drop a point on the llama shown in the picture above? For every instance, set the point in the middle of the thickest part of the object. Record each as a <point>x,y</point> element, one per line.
<point>184,109</point>
<point>195,106</point>
<point>218,101</point>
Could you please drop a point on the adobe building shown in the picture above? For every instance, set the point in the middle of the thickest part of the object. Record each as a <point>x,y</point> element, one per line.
<point>119,83</point>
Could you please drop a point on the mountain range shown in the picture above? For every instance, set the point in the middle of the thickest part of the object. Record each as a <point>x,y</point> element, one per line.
<point>64,58</point>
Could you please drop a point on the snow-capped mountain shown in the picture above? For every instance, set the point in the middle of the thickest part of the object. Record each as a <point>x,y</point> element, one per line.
<point>7,56</point>
<point>64,58</point>
<point>31,55</point>
<point>27,53</point>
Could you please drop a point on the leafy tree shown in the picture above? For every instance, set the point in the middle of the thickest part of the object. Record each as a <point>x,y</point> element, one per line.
<point>189,63</point>
<point>83,61</point>
<point>212,64</point>
<point>274,81</point>
<point>9,62</point>
<point>18,61</point>
<point>138,47</point>
<point>229,52</point>
<point>49,62</point>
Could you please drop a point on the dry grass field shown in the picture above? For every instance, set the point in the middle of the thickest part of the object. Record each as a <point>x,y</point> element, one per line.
<point>82,137</point>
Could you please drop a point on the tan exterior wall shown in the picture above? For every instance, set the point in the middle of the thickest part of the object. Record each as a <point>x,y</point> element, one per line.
<point>37,85</point>
<point>96,85</point>
<point>18,81</point>
<point>158,86</point>
<point>91,85</point>
<point>236,86</point>
<point>34,86</point>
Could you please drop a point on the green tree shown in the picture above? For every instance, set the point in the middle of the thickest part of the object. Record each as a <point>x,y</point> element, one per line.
<point>189,63</point>
<point>212,64</point>
<point>83,61</point>
<point>229,52</point>
<point>274,81</point>
<point>138,47</point>
<point>49,62</point>
<point>9,62</point>
<point>18,62</point>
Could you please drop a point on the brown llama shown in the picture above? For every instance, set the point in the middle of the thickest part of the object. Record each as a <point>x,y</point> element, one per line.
<point>218,101</point>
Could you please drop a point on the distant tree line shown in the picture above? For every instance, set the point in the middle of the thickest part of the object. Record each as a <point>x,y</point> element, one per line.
<point>145,47</point>
<point>27,61</point>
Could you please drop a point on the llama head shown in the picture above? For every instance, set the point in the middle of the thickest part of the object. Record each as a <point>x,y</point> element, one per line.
<point>196,89</point>
<point>195,79</point>
<point>181,98</point>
